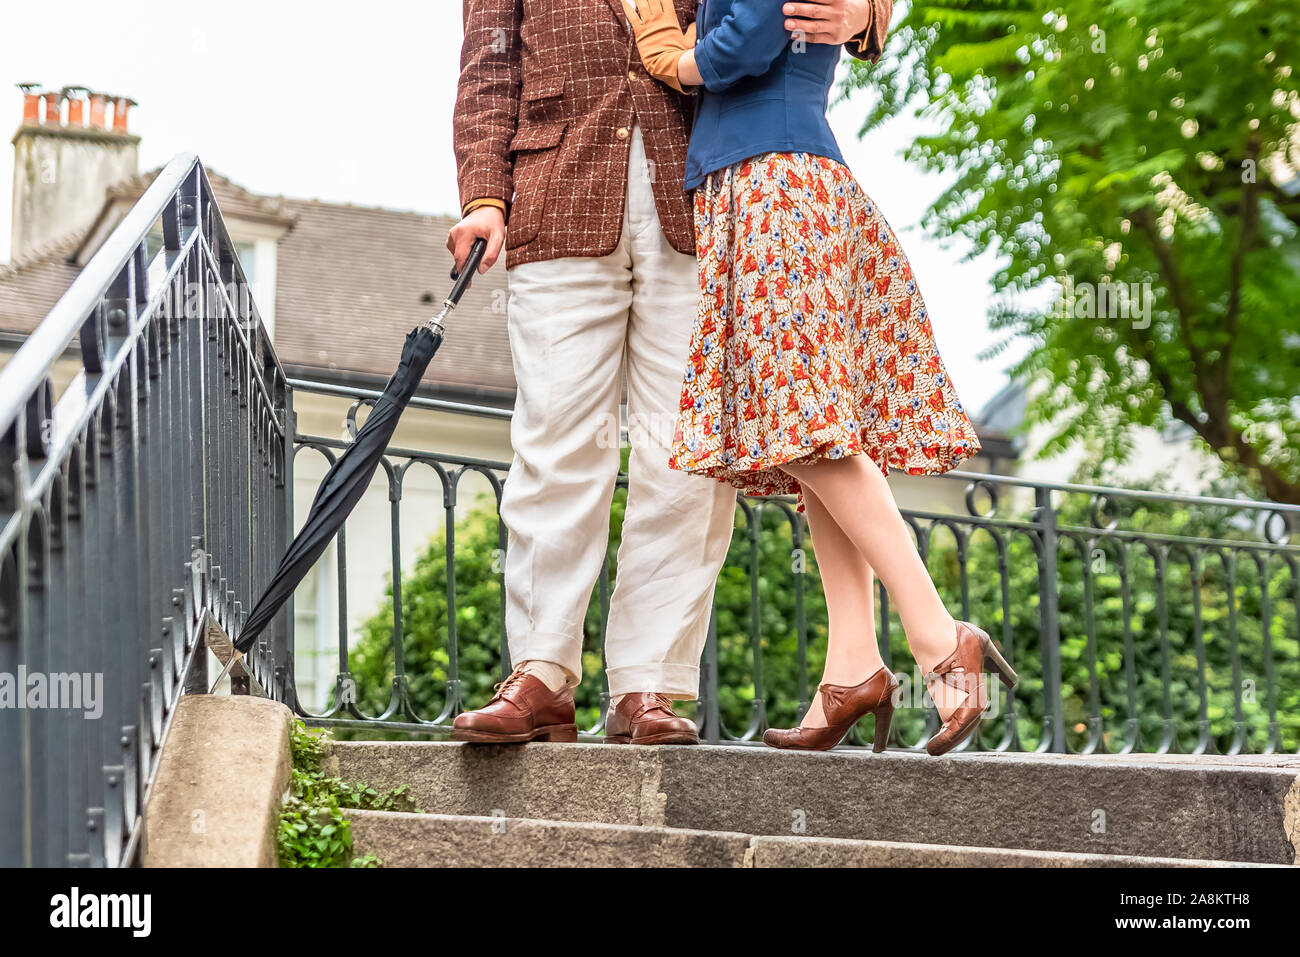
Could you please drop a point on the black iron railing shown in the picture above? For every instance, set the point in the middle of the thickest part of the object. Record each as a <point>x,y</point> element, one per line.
<point>145,504</point>
<point>1141,621</point>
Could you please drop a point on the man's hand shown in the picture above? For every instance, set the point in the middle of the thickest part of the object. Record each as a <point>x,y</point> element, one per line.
<point>827,21</point>
<point>486,222</point>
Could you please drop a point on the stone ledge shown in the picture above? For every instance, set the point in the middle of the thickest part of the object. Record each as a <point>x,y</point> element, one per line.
<point>215,801</point>
<point>1228,809</point>
<point>594,783</point>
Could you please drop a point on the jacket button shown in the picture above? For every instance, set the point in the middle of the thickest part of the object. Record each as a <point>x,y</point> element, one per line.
<point>622,133</point>
<point>631,75</point>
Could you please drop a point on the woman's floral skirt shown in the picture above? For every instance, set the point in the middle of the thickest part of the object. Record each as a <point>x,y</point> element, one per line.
<point>812,340</point>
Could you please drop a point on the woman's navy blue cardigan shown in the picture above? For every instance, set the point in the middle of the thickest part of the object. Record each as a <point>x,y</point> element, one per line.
<point>764,89</point>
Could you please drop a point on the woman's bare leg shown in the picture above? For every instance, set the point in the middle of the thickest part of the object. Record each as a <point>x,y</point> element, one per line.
<point>852,655</point>
<point>856,495</point>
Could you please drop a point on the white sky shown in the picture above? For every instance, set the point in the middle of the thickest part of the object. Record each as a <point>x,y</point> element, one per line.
<point>352,103</point>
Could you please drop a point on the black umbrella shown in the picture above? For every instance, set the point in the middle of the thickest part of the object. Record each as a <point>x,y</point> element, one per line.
<point>349,476</point>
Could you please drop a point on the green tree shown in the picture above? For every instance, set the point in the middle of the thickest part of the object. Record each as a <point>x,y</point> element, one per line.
<point>1124,141</point>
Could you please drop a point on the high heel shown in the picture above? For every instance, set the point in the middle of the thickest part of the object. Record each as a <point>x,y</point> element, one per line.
<point>884,714</point>
<point>1006,674</point>
<point>963,670</point>
<point>843,706</point>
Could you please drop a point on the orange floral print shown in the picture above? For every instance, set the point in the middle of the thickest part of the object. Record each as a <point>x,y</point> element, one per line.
<point>811,340</point>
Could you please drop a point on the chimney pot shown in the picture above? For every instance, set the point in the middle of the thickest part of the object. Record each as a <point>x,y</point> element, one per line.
<point>120,106</point>
<point>53,109</point>
<point>97,111</point>
<point>31,107</point>
<point>75,95</point>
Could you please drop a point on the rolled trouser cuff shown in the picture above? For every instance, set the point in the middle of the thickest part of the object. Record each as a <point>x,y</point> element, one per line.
<point>563,650</point>
<point>679,682</point>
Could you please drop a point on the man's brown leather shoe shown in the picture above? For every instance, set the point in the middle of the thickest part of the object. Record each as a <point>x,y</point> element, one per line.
<point>648,719</point>
<point>523,709</point>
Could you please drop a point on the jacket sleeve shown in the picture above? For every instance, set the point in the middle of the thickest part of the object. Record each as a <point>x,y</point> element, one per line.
<point>746,43</point>
<point>870,43</point>
<point>487,100</point>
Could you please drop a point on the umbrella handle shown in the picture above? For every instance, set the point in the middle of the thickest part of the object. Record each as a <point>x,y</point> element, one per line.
<point>463,276</point>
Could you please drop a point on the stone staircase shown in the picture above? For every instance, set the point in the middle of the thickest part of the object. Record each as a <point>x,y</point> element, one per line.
<point>591,805</point>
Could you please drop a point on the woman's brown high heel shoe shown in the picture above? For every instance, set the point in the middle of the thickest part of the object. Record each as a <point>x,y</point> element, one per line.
<point>843,706</point>
<point>964,671</point>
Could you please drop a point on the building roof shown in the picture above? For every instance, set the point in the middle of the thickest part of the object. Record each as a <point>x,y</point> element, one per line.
<point>368,276</point>
<point>33,283</point>
<point>999,422</point>
<point>235,201</point>
<point>350,283</point>
<point>1005,412</point>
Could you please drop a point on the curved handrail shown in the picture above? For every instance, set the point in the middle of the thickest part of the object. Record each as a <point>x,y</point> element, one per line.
<point>26,371</point>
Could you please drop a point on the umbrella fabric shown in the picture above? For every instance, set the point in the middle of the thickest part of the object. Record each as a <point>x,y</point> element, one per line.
<point>344,483</point>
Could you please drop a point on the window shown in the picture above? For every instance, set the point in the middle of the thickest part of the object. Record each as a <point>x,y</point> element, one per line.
<point>247,253</point>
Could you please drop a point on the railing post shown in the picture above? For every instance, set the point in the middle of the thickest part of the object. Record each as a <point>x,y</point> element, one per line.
<point>1049,623</point>
<point>758,708</point>
<point>709,712</point>
<point>284,634</point>
<point>13,586</point>
<point>799,566</point>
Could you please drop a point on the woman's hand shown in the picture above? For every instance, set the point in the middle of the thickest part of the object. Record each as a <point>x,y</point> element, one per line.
<point>660,38</point>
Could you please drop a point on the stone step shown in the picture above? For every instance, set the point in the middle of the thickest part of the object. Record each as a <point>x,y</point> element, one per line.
<point>1221,809</point>
<point>402,839</point>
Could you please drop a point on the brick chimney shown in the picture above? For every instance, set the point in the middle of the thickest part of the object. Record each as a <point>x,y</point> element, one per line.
<point>66,155</point>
